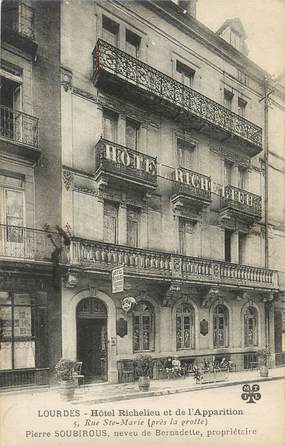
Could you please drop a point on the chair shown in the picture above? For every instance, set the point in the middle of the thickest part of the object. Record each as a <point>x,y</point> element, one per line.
<point>77,373</point>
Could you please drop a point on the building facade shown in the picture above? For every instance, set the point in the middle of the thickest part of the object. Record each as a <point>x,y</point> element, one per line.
<point>160,164</point>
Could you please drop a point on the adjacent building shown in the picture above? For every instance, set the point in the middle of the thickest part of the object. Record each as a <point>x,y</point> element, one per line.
<point>134,138</point>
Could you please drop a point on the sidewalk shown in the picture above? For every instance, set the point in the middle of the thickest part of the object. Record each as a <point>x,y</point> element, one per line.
<point>107,392</point>
<point>100,393</point>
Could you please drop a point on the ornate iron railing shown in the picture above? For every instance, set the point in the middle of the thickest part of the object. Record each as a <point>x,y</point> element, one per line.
<point>18,17</point>
<point>23,377</point>
<point>24,243</point>
<point>126,162</point>
<point>241,200</point>
<point>105,256</point>
<point>19,126</point>
<point>190,183</point>
<point>111,59</point>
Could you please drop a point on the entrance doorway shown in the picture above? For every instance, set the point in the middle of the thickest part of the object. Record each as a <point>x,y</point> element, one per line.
<point>92,338</point>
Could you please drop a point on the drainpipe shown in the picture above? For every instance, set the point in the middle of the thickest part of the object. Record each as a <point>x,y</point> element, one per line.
<point>266,185</point>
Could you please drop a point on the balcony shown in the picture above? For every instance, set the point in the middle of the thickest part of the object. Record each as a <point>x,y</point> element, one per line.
<point>19,133</point>
<point>95,255</point>
<point>238,203</point>
<point>123,75</point>
<point>190,189</point>
<point>121,166</point>
<point>18,25</point>
<point>23,243</point>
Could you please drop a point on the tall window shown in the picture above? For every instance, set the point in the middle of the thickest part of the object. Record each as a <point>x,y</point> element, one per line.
<point>110,31</point>
<point>250,327</point>
<point>241,106</point>
<point>110,125</point>
<point>11,220</point>
<point>133,220</point>
<point>228,245</point>
<point>185,74</point>
<point>221,327</point>
<point>110,222</point>
<point>185,153</point>
<point>23,331</point>
<point>10,123</point>
<point>241,247</point>
<point>185,331</point>
<point>132,133</point>
<point>182,236</point>
<point>228,171</point>
<point>228,99</point>
<point>242,178</point>
<point>132,43</point>
<point>143,327</point>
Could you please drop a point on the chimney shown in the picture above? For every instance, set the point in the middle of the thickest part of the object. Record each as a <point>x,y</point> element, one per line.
<point>190,6</point>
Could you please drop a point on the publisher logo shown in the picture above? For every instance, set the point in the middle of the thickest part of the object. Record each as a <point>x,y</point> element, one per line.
<point>251,393</point>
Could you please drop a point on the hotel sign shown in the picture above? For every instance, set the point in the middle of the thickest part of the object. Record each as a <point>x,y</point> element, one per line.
<point>129,158</point>
<point>118,279</point>
<point>194,180</point>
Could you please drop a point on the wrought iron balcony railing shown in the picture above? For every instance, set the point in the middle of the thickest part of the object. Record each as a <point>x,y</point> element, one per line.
<point>125,163</point>
<point>19,127</point>
<point>242,201</point>
<point>18,17</point>
<point>191,184</point>
<point>110,59</point>
<point>103,256</point>
<point>23,243</point>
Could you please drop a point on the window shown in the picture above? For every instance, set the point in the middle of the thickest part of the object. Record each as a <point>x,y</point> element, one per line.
<point>185,74</point>
<point>228,99</point>
<point>228,245</point>
<point>133,220</point>
<point>228,170</point>
<point>11,220</point>
<point>110,125</point>
<point>110,222</point>
<point>182,236</point>
<point>241,106</point>
<point>132,133</point>
<point>185,331</point>
<point>10,96</point>
<point>143,327</point>
<point>220,326</point>
<point>132,43</point>
<point>242,173</point>
<point>242,77</point>
<point>110,31</point>
<point>241,247</point>
<point>185,153</point>
<point>250,327</point>
<point>23,331</point>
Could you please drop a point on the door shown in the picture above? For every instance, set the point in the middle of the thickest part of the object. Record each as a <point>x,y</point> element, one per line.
<point>92,338</point>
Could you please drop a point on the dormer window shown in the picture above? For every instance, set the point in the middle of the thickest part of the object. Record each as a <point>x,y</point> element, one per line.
<point>235,39</point>
<point>234,33</point>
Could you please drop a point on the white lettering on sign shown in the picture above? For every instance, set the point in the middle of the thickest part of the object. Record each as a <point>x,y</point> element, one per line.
<point>193,179</point>
<point>239,196</point>
<point>118,279</point>
<point>128,158</point>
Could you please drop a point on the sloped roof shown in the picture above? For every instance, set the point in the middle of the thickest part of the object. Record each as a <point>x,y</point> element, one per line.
<point>235,24</point>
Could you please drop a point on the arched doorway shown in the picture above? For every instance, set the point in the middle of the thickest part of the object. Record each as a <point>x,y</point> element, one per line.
<point>91,321</point>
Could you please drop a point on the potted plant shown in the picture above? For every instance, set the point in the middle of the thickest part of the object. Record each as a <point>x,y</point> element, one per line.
<point>65,375</point>
<point>263,355</point>
<point>143,369</point>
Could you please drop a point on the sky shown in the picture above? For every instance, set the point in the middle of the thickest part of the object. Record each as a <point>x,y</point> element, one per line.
<point>264,23</point>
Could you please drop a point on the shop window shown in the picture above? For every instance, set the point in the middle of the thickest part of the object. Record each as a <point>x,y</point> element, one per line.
<point>132,133</point>
<point>110,31</point>
<point>185,74</point>
<point>143,327</point>
<point>133,223</point>
<point>110,222</point>
<point>228,245</point>
<point>133,42</point>
<point>250,327</point>
<point>221,327</point>
<point>241,106</point>
<point>228,99</point>
<point>185,153</point>
<point>110,125</point>
<point>23,331</point>
<point>185,330</point>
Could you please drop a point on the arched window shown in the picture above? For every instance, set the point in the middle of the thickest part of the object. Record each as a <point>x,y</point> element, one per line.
<point>250,327</point>
<point>143,327</point>
<point>185,326</point>
<point>221,326</point>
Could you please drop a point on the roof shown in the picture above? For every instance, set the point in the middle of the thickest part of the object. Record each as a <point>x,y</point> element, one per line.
<point>235,24</point>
